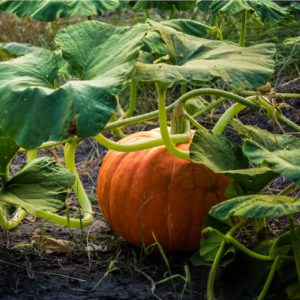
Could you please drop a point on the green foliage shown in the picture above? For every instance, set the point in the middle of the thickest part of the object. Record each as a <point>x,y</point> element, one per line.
<point>40,185</point>
<point>256,206</point>
<point>49,10</point>
<point>46,112</point>
<point>164,5</point>
<point>217,152</point>
<point>267,10</point>
<point>97,49</point>
<point>285,162</point>
<point>198,61</point>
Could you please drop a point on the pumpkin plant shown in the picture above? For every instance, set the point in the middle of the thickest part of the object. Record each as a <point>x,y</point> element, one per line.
<point>68,95</point>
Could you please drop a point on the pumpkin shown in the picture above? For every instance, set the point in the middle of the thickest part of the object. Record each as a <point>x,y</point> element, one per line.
<point>151,192</point>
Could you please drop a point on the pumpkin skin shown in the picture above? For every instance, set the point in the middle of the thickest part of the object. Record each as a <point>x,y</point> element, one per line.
<point>151,191</point>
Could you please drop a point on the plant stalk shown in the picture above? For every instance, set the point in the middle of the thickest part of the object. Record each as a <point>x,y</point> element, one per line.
<point>162,90</point>
<point>132,99</point>
<point>155,142</point>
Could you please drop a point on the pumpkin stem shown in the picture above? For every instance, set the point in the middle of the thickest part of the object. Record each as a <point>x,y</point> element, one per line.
<point>179,124</point>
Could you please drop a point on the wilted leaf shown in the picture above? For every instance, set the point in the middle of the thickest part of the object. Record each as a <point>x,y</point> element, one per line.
<point>51,245</point>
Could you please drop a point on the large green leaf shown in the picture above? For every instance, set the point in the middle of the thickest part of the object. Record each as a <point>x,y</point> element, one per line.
<point>267,10</point>
<point>49,10</point>
<point>41,185</point>
<point>99,49</point>
<point>285,162</point>
<point>221,155</point>
<point>8,149</point>
<point>256,206</point>
<point>18,49</point>
<point>46,112</point>
<point>198,61</point>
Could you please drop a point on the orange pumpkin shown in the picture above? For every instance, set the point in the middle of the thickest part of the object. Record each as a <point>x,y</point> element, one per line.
<point>152,192</point>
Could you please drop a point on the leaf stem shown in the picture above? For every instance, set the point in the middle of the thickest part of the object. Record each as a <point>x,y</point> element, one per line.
<point>227,117</point>
<point>218,257</point>
<point>132,99</point>
<point>182,99</point>
<point>268,282</point>
<point>176,138</point>
<point>162,90</point>
<point>276,95</point>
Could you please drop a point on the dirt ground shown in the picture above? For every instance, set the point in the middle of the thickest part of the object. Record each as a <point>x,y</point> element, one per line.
<point>97,264</point>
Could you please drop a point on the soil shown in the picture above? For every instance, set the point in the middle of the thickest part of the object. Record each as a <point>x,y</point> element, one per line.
<point>97,264</point>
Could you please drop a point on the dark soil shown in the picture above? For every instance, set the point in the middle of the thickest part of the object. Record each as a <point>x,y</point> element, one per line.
<point>98,264</point>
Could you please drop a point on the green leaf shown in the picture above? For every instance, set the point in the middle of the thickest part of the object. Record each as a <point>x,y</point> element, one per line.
<point>199,61</point>
<point>256,206</point>
<point>251,180</point>
<point>18,49</point>
<point>217,152</point>
<point>221,155</point>
<point>267,10</point>
<point>210,243</point>
<point>285,162</point>
<point>8,149</point>
<point>46,112</point>
<point>164,5</point>
<point>99,49</point>
<point>42,184</point>
<point>265,138</point>
<point>49,10</point>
